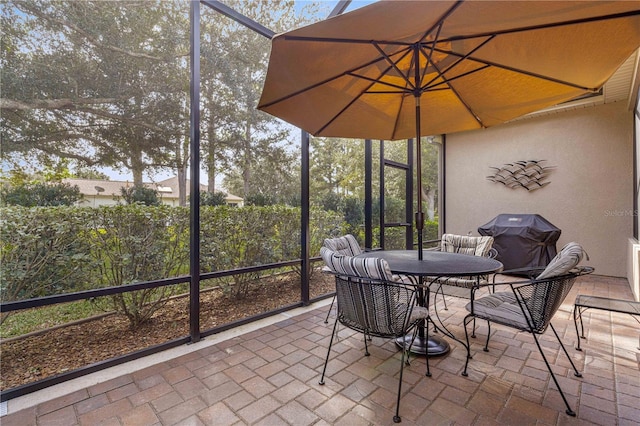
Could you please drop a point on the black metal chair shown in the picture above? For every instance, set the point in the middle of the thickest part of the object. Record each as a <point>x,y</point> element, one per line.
<point>369,301</point>
<point>463,244</point>
<point>346,245</point>
<point>528,306</point>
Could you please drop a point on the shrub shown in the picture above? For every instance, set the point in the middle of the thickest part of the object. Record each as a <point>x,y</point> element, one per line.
<point>139,243</point>
<point>43,251</point>
<point>217,198</point>
<point>234,238</point>
<point>260,200</point>
<point>140,195</point>
<point>40,194</point>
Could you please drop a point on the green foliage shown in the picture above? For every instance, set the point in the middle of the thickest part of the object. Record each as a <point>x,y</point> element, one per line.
<point>260,200</point>
<point>140,195</point>
<point>352,209</point>
<point>55,250</point>
<point>233,238</point>
<point>331,201</point>
<point>139,243</point>
<point>218,198</point>
<point>89,173</point>
<point>431,230</point>
<point>40,194</point>
<point>43,251</point>
<point>395,237</point>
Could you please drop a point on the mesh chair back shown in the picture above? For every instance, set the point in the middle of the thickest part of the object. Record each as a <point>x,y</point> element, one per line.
<point>464,244</point>
<point>347,245</point>
<point>541,299</point>
<point>378,308</point>
<point>370,299</point>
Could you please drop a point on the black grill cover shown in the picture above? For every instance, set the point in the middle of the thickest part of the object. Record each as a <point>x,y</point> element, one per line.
<point>522,240</point>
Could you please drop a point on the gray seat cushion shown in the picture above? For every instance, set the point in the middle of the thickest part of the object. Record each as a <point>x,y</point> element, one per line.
<point>501,307</point>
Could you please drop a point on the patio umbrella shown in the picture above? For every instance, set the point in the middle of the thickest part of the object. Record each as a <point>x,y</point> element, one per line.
<point>403,69</point>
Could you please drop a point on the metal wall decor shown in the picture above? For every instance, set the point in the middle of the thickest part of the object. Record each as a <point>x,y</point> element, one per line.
<point>529,174</point>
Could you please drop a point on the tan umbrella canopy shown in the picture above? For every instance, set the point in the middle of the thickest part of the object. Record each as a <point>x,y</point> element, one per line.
<point>403,69</point>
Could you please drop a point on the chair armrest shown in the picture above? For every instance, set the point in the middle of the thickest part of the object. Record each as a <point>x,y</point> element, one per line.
<point>527,272</point>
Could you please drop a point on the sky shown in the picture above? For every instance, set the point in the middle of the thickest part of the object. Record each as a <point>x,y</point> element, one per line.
<point>159,176</point>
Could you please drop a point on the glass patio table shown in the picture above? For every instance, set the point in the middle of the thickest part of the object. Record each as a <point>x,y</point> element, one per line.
<point>434,265</point>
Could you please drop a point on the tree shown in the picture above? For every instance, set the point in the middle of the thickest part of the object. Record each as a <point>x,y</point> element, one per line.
<point>140,195</point>
<point>90,81</point>
<point>275,178</point>
<point>40,194</point>
<point>217,198</point>
<point>430,174</point>
<point>337,166</point>
<point>89,173</point>
<point>248,139</point>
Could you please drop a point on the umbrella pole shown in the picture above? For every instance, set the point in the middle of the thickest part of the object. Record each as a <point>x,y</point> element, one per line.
<point>417,93</point>
<point>419,213</point>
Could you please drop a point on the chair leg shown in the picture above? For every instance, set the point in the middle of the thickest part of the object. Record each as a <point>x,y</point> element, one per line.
<point>426,353</point>
<point>444,299</point>
<point>326,320</point>
<point>486,345</point>
<point>366,347</point>
<point>575,370</point>
<point>577,314</point>
<point>465,322</point>
<point>569,411</point>
<point>396,418</point>
<point>326,361</point>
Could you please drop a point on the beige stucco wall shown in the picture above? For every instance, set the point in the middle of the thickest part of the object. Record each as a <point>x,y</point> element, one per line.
<point>590,195</point>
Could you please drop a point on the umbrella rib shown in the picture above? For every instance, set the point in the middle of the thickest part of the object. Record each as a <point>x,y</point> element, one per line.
<point>441,20</point>
<point>447,80</point>
<point>458,61</point>
<point>429,55</point>
<point>549,25</point>
<point>394,64</point>
<point>320,83</point>
<point>462,101</point>
<point>373,80</point>
<point>346,107</point>
<point>343,40</point>
<point>517,70</point>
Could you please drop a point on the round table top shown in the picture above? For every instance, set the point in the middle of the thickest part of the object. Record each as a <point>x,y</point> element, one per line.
<point>435,263</point>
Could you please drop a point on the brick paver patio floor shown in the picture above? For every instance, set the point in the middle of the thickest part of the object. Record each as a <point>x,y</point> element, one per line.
<point>269,376</point>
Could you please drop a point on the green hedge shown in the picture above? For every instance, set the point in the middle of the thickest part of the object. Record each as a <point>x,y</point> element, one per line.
<point>54,250</point>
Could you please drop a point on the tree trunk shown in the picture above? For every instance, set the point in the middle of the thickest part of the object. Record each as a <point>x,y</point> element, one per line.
<point>137,176</point>
<point>429,197</point>
<point>246,172</point>
<point>182,185</point>
<point>211,160</point>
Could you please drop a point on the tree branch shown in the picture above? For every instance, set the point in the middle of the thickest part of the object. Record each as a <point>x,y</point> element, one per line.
<point>85,34</point>
<point>12,104</point>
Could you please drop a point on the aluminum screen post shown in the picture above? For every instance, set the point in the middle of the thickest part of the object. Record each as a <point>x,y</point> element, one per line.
<point>194,207</point>
<point>304,219</point>
<point>368,196</point>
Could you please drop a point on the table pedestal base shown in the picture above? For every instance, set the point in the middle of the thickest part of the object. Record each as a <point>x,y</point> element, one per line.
<point>436,345</point>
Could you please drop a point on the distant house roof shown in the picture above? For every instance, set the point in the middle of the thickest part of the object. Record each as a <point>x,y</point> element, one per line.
<point>167,188</point>
<point>172,183</point>
<point>98,186</point>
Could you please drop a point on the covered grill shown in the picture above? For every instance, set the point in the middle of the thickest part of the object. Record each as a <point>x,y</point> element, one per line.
<point>522,240</point>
